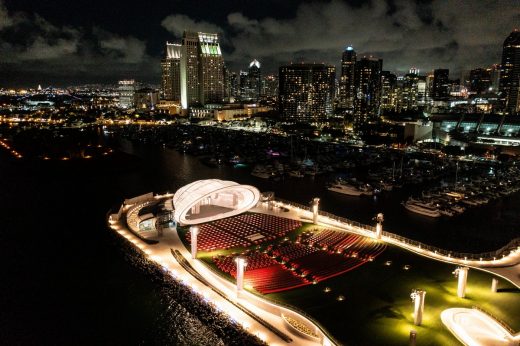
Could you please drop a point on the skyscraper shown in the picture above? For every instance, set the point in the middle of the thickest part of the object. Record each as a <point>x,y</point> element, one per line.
<point>254,77</point>
<point>389,92</point>
<point>201,69</point>
<point>306,91</point>
<point>510,73</point>
<point>211,69</point>
<point>346,82</point>
<point>171,73</point>
<point>479,80</point>
<point>127,93</point>
<point>367,81</point>
<point>441,85</point>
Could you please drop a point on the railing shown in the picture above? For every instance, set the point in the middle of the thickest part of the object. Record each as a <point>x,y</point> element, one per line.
<point>499,321</point>
<point>486,256</point>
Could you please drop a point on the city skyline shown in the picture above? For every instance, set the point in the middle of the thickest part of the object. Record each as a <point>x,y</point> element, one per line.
<point>47,44</point>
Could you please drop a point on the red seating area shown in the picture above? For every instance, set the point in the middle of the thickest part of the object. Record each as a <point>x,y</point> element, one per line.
<point>322,265</point>
<point>241,230</point>
<point>270,225</point>
<point>349,244</point>
<point>292,251</point>
<point>262,273</point>
<point>273,279</point>
<point>213,238</point>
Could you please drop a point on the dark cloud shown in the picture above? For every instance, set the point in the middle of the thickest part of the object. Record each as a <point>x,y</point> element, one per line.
<point>458,35</point>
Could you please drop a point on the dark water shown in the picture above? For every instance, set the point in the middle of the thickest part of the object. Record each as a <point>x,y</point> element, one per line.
<point>65,279</point>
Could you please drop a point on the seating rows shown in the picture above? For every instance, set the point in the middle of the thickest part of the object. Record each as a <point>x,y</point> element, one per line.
<point>273,279</point>
<point>292,251</point>
<point>322,265</point>
<point>212,238</point>
<point>254,261</point>
<point>270,224</point>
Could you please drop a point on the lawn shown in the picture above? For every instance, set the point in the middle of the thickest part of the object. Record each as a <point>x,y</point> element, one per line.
<point>377,309</point>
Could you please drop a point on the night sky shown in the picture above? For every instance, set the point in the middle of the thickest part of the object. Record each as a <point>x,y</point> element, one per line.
<point>64,42</point>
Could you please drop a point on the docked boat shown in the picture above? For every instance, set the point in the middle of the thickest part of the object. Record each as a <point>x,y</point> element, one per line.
<point>351,190</point>
<point>423,209</point>
<point>261,172</point>
<point>296,174</point>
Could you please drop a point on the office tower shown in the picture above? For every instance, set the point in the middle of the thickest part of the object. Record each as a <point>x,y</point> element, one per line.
<point>409,94</point>
<point>234,84</point>
<point>421,91</point>
<point>429,89</point>
<point>254,77</point>
<point>211,69</point>
<point>346,82</point>
<point>441,85</point>
<point>306,92</point>
<point>171,73</point>
<point>367,81</point>
<point>480,80</point>
<point>389,92</point>
<point>126,91</point>
<point>243,84</point>
<point>190,70</point>
<point>510,73</point>
<point>270,86</point>
<point>494,72</point>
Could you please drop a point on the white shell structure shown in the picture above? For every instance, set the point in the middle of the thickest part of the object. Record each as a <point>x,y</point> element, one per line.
<point>212,199</point>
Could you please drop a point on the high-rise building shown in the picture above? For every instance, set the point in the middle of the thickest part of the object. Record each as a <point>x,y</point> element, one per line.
<point>410,91</point>
<point>270,86</point>
<point>126,91</point>
<point>306,91</point>
<point>211,69</point>
<point>171,73</point>
<point>190,70</point>
<point>389,91</point>
<point>441,85</point>
<point>254,77</point>
<point>479,80</point>
<point>367,81</point>
<point>510,73</point>
<point>201,69</point>
<point>346,82</point>
<point>243,84</point>
<point>494,72</point>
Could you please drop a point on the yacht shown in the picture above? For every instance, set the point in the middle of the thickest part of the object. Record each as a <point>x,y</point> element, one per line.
<point>423,209</point>
<point>261,172</point>
<point>352,190</point>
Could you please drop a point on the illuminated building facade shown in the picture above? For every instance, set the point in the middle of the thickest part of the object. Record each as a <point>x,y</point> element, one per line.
<point>346,82</point>
<point>254,77</point>
<point>126,91</point>
<point>510,74</point>
<point>306,92</point>
<point>211,69</point>
<point>171,73</point>
<point>389,91</point>
<point>367,81</point>
<point>189,70</point>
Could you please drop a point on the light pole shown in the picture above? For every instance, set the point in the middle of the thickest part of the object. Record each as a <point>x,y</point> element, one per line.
<point>418,296</point>
<point>462,274</point>
<point>241,264</point>
<point>379,226</point>
<point>194,232</point>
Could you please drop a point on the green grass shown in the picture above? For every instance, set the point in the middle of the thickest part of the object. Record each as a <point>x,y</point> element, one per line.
<point>377,309</point>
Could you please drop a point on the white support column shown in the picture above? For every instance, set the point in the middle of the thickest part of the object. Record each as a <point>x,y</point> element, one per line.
<point>418,297</point>
<point>379,225</point>
<point>315,210</point>
<point>494,285</point>
<point>241,264</point>
<point>194,231</point>
<point>462,273</point>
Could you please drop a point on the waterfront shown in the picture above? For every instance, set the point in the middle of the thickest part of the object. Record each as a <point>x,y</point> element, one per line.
<point>69,280</point>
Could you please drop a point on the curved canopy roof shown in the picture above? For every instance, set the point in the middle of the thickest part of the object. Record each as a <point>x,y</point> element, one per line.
<point>212,199</point>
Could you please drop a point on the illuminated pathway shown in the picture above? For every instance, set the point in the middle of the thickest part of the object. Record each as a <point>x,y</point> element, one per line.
<point>474,328</point>
<point>271,313</point>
